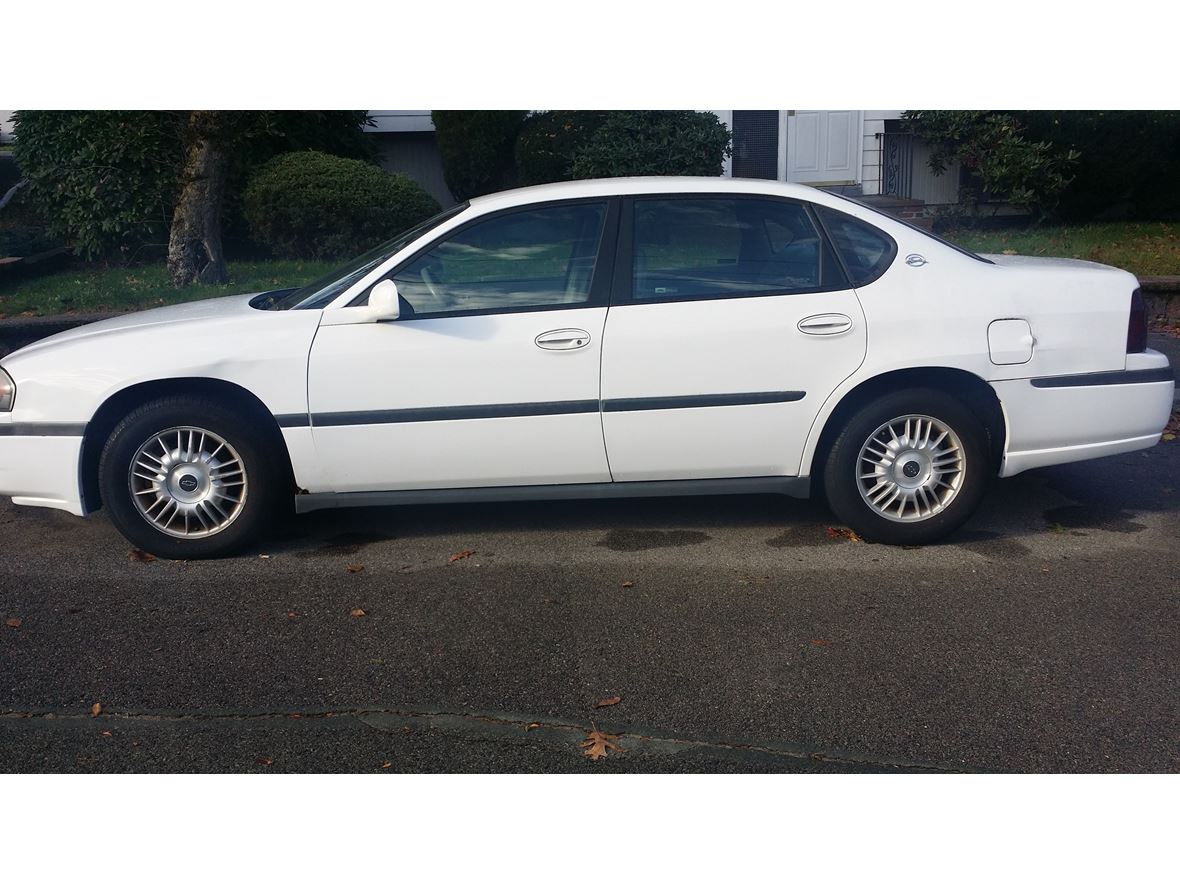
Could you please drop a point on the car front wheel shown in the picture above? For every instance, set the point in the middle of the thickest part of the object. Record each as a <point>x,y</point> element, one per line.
<point>908,468</point>
<point>186,478</point>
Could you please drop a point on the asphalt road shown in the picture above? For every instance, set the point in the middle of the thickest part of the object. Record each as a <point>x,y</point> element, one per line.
<point>736,633</point>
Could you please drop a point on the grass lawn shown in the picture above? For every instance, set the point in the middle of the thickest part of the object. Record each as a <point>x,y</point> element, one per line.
<point>87,289</point>
<point>1144,248</point>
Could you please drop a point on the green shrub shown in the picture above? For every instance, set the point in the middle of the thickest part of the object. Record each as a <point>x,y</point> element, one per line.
<point>309,204</point>
<point>477,149</point>
<point>103,180</point>
<point>1129,165</point>
<point>654,143</point>
<point>550,141</point>
<point>1003,164</point>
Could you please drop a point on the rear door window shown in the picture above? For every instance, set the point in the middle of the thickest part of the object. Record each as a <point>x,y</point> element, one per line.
<point>692,248</point>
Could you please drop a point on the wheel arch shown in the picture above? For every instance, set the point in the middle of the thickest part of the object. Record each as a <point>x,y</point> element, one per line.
<point>969,388</point>
<point>120,403</point>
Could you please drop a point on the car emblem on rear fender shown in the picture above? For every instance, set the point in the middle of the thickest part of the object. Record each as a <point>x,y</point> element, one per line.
<point>914,260</point>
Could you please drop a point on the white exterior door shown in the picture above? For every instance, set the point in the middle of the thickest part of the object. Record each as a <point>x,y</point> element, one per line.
<point>733,328</point>
<point>491,375</point>
<point>823,147</point>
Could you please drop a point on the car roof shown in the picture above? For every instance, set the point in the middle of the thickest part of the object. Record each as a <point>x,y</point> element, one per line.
<point>654,184</point>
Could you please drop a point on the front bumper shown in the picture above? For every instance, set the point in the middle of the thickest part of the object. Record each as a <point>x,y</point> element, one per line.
<point>1076,418</point>
<point>41,471</point>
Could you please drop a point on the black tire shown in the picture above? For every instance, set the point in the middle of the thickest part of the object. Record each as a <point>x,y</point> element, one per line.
<point>841,470</point>
<point>263,473</point>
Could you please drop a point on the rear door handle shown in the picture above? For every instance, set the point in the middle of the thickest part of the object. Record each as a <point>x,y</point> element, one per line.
<point>825,324</point>
<point>563,339</point>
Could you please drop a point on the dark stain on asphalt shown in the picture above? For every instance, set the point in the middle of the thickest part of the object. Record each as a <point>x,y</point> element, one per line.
<point>801,536</point>
<point>649,539</point>
<point>991,544</point>
<point>345,545</point>
<point>1077,516</point>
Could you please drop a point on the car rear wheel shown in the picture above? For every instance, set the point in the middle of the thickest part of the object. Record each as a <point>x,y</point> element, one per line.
<point>908,468</point>
<point>187,478</point>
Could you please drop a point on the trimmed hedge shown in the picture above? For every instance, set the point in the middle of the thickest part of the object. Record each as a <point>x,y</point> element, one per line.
<point>309,204</point>
<point>477,150</point>
<point>654,143</point>
<point>550,141</point>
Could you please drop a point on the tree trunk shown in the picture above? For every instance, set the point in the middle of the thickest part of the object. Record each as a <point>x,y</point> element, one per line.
<point>194,245</point>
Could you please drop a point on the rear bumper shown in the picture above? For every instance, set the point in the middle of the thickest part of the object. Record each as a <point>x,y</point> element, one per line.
<point>41,471</point>
<point>1078,417</point>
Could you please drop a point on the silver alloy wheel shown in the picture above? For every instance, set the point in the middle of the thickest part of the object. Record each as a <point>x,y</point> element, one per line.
<point>188,482</point>
<point>911,468</point>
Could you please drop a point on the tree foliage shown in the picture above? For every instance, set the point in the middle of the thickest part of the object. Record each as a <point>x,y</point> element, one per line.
<point>1129,165</point>
<point>108,181</point>
<point>103,180</point>
<point>477,149</point>
<point>309,204</point>
<point>1002,162</point>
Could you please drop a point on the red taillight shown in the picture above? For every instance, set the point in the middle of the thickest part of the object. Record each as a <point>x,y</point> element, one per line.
<point>1137,325</point>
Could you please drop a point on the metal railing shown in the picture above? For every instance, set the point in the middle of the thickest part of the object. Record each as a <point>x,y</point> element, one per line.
<point>897,163</point>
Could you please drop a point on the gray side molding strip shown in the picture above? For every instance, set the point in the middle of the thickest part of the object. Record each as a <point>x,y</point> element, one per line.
<point>1099,379</point>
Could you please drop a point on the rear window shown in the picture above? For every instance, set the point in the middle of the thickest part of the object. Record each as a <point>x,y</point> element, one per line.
<point>866,251</point>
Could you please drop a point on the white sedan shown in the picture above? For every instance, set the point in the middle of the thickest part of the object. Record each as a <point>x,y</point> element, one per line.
<point>624,337</point>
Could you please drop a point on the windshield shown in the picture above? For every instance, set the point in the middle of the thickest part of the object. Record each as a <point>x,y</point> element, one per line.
<point>911,226</point>
<point>326,289</point>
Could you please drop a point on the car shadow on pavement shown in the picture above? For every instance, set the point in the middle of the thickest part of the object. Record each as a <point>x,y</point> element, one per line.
<point>1109,495</point>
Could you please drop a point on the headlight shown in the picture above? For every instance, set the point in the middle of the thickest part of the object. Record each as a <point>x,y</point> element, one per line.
<point>7,392</point>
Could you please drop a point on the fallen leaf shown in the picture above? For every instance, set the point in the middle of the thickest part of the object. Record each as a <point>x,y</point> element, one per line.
<point>462,554</point>
<point>596,745</point>
<point>14,622</point>
<point>264,760</point>
<point>845,534</point>
<point>292,614</point>
<point>106,734</point>
<point>532,725</point>
<point>137,555</point>
<point>628,583</point>
<point>358,613</point>
<point>387,765</point>
<point>353,569</point>
<point>95,709</point>
<point>264,556</point>
<point>1168,437</point>
<point>820,642</point>
<point>607,702</point>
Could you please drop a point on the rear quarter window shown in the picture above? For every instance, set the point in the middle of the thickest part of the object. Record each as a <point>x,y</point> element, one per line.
<point>865,250</point>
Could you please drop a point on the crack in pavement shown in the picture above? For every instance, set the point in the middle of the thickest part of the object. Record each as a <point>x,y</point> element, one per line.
<point>553,733</point>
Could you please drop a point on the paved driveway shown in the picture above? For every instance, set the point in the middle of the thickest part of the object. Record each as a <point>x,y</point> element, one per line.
<point>736,633</point>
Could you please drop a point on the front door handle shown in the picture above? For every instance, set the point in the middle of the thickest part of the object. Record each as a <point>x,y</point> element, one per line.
<point>825,324</point>
<point>562,339</point>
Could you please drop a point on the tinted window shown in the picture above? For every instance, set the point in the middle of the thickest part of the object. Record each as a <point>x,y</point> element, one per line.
<point>714,248</point>
<point>326,289</point>
<point>866,251</point>
<point>532,258</point>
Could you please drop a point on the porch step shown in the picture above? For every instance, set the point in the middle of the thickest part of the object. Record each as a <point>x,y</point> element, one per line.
<point>905,208</point>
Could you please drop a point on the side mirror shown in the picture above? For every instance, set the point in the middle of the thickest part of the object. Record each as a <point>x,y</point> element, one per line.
<point>384,302</point>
